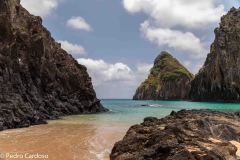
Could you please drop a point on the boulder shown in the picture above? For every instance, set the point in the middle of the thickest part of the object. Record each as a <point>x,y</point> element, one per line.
<point>183,135</point>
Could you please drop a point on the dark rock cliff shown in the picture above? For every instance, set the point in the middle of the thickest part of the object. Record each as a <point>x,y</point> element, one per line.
<point>219,78</point>
<point>168,79</point>
<point>183,135</point>
<point>38,79</point>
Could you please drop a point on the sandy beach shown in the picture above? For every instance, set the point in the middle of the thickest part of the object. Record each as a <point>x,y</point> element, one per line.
<point>61,141</point>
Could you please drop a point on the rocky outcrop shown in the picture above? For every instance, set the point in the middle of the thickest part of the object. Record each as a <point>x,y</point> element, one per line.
<point>168,79</point>
<point>219,78</point>
<point>38,79</point>
<point>183,135</point>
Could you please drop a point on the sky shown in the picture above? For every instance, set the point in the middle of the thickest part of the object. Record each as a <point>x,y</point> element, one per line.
<point>118,40</point>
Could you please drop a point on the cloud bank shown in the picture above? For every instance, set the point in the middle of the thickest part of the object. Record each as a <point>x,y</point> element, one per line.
<point>103,72</point>
<point>187,13</point>
<point>166,16</point>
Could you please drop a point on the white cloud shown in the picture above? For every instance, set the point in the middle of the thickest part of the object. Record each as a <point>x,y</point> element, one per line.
<point>78,23</point>
<point>174,38</point>
<point>72,48</point>
<point>102,72</point>
<point>187,13</point>
<point>144,68</point>
<point>41,8</point>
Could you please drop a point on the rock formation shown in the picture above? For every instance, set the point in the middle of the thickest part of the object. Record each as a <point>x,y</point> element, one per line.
<point>219,78</point>
<point>38,79</point>
<point>168,79</point>
<point>183,135</point>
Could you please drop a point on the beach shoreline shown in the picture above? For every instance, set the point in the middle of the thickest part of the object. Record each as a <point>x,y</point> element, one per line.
<point>61,139</point>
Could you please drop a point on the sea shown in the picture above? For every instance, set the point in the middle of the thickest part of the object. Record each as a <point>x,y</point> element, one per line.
<point>92,136</point>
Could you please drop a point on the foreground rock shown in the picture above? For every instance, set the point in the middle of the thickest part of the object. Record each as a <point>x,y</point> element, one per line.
<point>183,135</point>
<point>38,80</point>
<point>168,79</point>
<point>219,78</point>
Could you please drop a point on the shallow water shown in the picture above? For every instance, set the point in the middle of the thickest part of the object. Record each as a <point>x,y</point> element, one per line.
<point>92,137</point>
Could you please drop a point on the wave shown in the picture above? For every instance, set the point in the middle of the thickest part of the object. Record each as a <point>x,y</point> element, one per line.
<point>155,105</point>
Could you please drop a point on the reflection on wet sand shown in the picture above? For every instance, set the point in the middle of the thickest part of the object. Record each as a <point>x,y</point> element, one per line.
<point>62,140</point>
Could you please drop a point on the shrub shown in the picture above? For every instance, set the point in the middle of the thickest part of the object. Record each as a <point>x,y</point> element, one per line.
<point>154,85</point>
<point>169,76</point>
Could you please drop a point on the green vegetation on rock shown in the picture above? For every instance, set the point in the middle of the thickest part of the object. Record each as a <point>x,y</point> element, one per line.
<point>11,4</point>
<point>212,47</point>
<point>165,69</point>
<point>168,68</point>
<point>170,76</point>
<point>23,28</point>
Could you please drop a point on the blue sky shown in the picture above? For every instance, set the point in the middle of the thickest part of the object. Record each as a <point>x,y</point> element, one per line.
<point>118,40</point>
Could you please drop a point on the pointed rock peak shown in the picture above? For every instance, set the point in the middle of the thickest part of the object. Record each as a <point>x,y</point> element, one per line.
<point>168,79</point>
<point>166,65</point>
<point>161,57</point>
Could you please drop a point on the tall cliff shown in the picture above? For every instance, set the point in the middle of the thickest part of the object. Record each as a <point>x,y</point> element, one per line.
<point>168,79</point>
<point>38,79</point>
<point>219,78</point>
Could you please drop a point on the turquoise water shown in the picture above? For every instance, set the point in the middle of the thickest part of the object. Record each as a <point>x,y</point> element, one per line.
<point>132,112</point>
<point>93,136</point>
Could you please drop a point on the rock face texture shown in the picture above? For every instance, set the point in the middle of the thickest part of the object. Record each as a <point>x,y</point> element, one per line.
<point>38,79</point>
<point>183,135</point>
<point>168,79</point>
<point>219,78</point>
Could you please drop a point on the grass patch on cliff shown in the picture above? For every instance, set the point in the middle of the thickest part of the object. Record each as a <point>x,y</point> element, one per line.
<point>154,72</point>
<point>180,70</point>
<point>170,76</point>
<point>158,67</point>
<point>175,73</point>
<point>154,85</point>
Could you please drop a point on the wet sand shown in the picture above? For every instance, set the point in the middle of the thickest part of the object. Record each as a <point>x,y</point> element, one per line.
<point>58,140</point>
